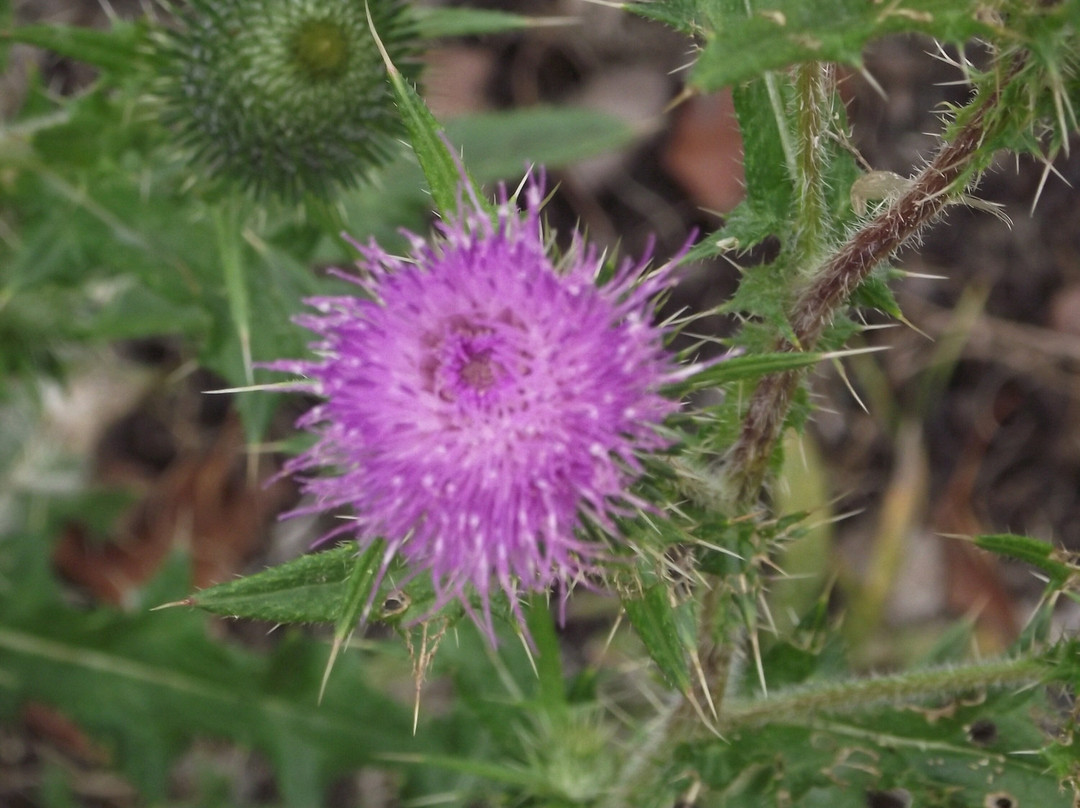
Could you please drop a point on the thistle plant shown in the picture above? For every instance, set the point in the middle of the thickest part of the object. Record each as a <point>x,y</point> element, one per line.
<point>500,430</point>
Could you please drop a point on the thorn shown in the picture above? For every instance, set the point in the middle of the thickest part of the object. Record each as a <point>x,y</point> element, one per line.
<point>696,660</point>
<point>709,724</point>
<point>334,649</point>
<point>869,79</point>
<point>611,634</point>
<point>685,95</point>
<point>418,680</point>
<point>758,663</point>
<point>393,71</point>
<point>994,208</point>
<point>842,372</point>
<point>717,548</point>
<point>287,387</point>
<point>763,604</point>
<point>854,351</point>
<point>961,536</point>
<point>1042,181</point>
<point>189,601</point>
<point>926,276</point>
<point>529,654</point>
<point>914,327</point>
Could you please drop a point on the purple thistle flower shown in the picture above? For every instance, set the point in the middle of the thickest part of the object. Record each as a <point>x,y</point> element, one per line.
<point>485,402</point>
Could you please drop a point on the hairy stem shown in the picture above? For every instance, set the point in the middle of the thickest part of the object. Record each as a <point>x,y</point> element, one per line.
<point>834,281</point>
<point>813,93</point>
<point>802,703</point>
<point>717,634</point>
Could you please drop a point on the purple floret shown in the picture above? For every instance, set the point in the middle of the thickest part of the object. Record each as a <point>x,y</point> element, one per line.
<point>484,402</point>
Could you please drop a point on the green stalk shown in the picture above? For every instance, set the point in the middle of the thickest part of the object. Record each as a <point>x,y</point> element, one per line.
<point>718,632</point>
<point>227,231</point>
<point>804,703</point>
<point>813,99</point>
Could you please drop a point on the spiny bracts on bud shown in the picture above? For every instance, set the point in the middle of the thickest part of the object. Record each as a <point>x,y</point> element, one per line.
<point>285,98</point>
<point>482,403</point>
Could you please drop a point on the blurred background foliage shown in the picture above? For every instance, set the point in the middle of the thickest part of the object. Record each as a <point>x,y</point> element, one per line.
<point>123,485</point>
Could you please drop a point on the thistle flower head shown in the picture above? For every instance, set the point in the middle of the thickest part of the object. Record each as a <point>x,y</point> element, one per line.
<point>485,402</point>
<point>283,97</point>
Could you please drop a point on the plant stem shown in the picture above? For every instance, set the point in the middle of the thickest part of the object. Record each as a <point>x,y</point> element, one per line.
<point>799,704</point>
<point>227,229</point>
<point>813,93</point>
<point>718,635</point>
<point>834,281</point>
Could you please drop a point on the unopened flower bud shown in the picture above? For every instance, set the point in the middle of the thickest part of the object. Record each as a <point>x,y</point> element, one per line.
<point>284,97</point>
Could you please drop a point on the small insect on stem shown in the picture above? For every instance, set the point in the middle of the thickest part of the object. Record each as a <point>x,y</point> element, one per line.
<point>887,186</point>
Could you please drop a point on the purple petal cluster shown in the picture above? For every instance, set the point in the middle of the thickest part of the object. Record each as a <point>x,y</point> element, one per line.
<point>483,401</point>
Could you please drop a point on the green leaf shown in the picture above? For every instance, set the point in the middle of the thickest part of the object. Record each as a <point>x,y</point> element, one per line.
<point>78,138</point>
<point>118,49</point>
<point>136,311</point>
<point>502,144</point>
<point>497,772</point>
<point>227,230</point>
<point>810,652</point>
<point>768,153</point>
<point>445,176</point>
<point>778,33</point>
<point>360,588</point>
<point>687,16</point>
<point>359,596</point>
<point>743,228</point>
<point>548,659</point>
<point>749,366</point>
<point>875,293</point>
<point>959,754</point>
<point>308,589</point>
<point>1042,555</point>
<point>661,628</point>
<point>313,589</point>
<point>146,684</point>
<point>262,290</point>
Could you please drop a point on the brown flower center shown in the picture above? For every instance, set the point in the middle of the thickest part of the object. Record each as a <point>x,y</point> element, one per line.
<point>478,372</point>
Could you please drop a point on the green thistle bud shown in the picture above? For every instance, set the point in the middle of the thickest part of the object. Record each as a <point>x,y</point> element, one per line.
<point>284,97</point>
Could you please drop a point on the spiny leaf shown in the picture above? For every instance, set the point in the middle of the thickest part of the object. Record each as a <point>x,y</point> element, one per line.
<point>768,152</point>
<point>740,46</point>
<point>359,595</point>
<point>959,754</point>
<point>750,366</point>
<point>147,684</point>
<point>656,622</point>
<point>308,589</point>
<point>312,589</point>
<point>875,293</point>
<point>1040,554</point>
<point>444,174</point>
